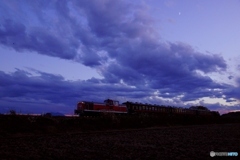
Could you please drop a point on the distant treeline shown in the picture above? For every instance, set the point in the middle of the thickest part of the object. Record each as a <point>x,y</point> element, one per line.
<point>232,115</point>
<point>11,124</point>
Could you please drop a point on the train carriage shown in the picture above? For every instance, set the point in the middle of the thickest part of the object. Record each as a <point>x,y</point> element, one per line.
<point>113,106</point>
<point>93,108</point>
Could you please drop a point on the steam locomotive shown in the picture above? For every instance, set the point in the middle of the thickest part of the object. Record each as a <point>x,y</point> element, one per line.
<point>113,106</point>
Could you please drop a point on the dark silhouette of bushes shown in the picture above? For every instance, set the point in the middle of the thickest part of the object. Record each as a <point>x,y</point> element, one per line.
<point>45,124</point>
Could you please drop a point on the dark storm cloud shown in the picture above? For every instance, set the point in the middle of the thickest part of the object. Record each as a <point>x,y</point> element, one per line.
<point>70,29</point>
<point>21,86</point>
<point>116,37</point>
<point>15,35</point>
<point>163,67</point>
<point>42,92</point>
<point>233,92</point>
<point>230,77</point>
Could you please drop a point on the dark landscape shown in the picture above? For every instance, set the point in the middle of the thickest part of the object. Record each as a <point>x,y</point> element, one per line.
<point>113,137</point>
<point>119,79</point>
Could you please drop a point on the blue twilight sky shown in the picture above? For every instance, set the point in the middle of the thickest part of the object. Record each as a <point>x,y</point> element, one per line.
<point>55,53</point>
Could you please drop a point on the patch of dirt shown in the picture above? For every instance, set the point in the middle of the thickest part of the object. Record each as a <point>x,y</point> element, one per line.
<point>177,142</point>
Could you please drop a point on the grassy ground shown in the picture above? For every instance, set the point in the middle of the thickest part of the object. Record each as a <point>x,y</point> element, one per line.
<point>111,137</point>
<point>17,124</point>
<point>177,142</point>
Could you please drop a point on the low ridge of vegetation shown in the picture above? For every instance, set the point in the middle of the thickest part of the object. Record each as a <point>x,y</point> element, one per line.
<point>14,123</point>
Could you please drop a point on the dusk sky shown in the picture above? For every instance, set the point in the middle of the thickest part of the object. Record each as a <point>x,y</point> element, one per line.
<point>54,53</point>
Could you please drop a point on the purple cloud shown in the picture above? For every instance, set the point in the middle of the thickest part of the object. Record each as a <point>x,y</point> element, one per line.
<point>21,86</point>
<point>119,39</point>
<point>233,92</point>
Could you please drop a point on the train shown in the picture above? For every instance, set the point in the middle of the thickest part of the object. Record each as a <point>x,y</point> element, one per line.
<point>87,108</point>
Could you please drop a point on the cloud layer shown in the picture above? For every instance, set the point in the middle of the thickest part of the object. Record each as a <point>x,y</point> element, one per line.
<point>117,38</point>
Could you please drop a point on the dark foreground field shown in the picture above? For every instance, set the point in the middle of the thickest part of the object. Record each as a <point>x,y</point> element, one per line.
<point>166,142</point>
